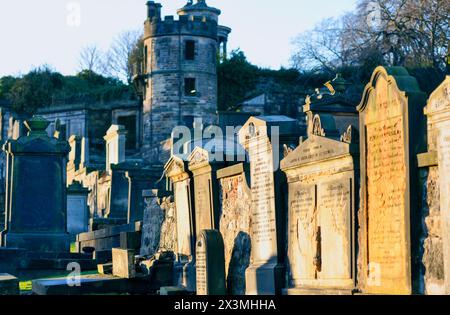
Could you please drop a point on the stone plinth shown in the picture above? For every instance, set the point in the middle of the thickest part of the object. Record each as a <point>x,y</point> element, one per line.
<point>115,145</point>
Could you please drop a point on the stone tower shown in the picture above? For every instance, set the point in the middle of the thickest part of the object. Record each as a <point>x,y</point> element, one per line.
<point>179,72</point>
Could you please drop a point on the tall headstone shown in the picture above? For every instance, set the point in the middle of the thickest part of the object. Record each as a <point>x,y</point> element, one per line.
<point>392,133</point>
<point>437,159</point>
<point>264,139</point>
<point>183,188</point>
<point>117,203</point>
<point>115,145</point>
<point>210,263</point>
<point>36,191</point>
<point>235,222</point>
<point>323,180</point>
<point>77,209</point>
<point>206,190</point>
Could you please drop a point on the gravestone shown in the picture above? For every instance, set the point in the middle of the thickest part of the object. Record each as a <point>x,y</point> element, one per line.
<point>210,263</point>
<point>77,209</point>
<point>323,178</point>
<point>392,132</point>
<point>180,178</point>
<point>151,225</point>
<point>235,224</point>
<point>36,191</point>
<point>117,207</point>
<point>140,178</point>
<point>437,159</point>
<point>264,138</point>
<point>115,145</point>
<point>206,190</point>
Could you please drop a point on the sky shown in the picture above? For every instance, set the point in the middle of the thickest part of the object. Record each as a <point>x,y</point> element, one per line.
<point>54,32</point>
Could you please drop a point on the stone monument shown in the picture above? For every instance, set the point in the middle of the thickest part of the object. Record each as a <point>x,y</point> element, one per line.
<point>77,209</point>
<point>235,224</point>
<point>392,133</point>
<point>437,243</point>
<point>323,180</point>
<point>264,138</point>
<point>210,263</point>
<point>36,191</point>
<point>183,188</point>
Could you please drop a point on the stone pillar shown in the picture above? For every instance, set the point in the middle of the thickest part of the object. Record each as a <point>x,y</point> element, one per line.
<point>115,145</point>
<point>77,209</point>
<point>36,189</point>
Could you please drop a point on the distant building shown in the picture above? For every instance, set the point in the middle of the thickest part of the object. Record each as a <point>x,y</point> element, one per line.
<point>179,75</point>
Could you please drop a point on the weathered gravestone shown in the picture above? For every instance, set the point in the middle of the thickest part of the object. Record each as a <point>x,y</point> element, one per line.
<point>36,191</point>
<point>437,187</point>
<point>392,133</point>
<point>206,191</point>
<point>264,138</point>
<point>210,263</point>
<point>140,178</point>
<point>235,224</point>
<point>323,179</point>
<point>151,226</point>
<point>9,285</point>
<point>77,209</point>
<point>182,186</point>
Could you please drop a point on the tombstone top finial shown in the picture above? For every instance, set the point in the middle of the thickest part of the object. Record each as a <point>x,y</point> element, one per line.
<point>37,124</point>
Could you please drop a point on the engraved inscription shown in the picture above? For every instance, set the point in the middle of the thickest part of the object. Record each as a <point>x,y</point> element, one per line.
<point>202,284</point>
<point>263,200</point>
<point>386,189</point>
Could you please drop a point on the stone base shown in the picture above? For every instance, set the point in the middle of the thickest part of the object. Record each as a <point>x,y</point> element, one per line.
<point>264,279</point>
<point>57,242</point>
<point>317,291</point>
<point>9,285</point>
<point>185,276</point>
<point>93,284</point>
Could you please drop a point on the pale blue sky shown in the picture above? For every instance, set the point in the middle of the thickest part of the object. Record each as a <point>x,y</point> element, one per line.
<point>36,32</point>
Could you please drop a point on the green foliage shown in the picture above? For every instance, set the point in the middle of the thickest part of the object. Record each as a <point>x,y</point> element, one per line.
<point>236,76</point>
<point>45,87</point>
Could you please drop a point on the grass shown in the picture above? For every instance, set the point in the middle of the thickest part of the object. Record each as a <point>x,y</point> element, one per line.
<point>73,248</point>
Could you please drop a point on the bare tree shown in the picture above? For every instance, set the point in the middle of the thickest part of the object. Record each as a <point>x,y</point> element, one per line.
<point>389,32</point>
<point>91,58</point>
<point>125,52</point>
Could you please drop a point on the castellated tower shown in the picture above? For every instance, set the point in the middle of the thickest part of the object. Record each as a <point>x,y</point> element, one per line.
<point>180,72</point>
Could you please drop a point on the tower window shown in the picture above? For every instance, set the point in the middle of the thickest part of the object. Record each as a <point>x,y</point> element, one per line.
<point>189,52</point>
<point>189,87</point>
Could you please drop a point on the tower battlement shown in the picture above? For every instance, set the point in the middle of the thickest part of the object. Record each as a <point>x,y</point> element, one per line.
<point>185,25</point>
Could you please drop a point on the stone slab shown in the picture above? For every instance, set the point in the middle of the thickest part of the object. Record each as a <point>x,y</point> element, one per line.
<point>123,263</point>
<point>9,285</point>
